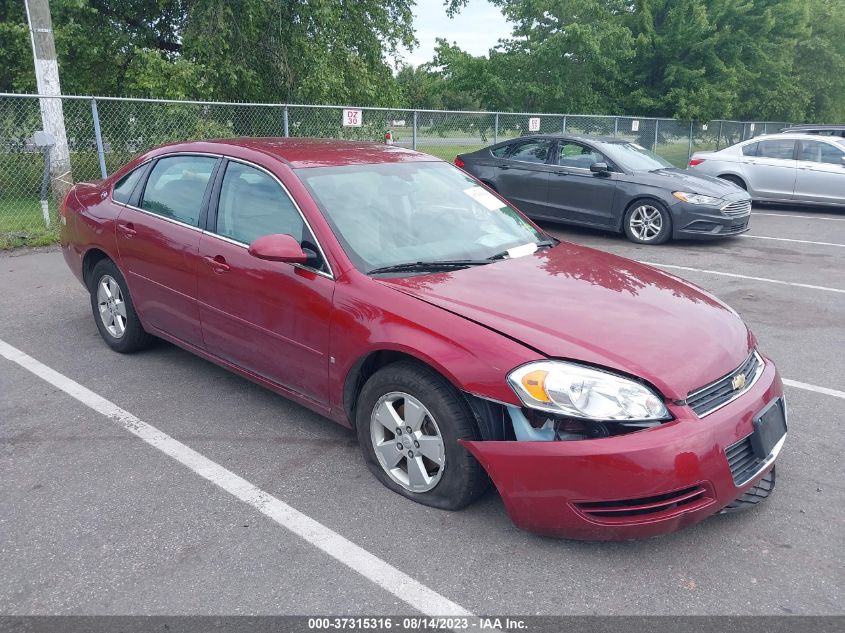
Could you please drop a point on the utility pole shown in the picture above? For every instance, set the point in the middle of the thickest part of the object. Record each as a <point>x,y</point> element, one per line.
<point>47,81</point>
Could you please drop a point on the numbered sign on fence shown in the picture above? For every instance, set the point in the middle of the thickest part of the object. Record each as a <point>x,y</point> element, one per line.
<point>534,124</point>
<point>635,126</point>
<point>352,118</point>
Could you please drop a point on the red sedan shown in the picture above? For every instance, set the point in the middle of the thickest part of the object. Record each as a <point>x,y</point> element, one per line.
<point>392,293</point>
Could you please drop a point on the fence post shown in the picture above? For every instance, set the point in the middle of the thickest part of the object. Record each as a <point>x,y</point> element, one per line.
<point>496,129</point>
<point>656,122</point>
<point>286,121</point>
<point>689,151</point>
<point>414,136</point>
<point>98,136</point>
<point>719,137</point>
<point>564,123</point>
<point>616,126</point>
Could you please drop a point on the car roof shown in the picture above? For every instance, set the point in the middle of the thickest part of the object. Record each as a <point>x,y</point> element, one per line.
<point>575,137</point>
<point>307,152</point>
<point>790,136</point>
<point>815,126</point>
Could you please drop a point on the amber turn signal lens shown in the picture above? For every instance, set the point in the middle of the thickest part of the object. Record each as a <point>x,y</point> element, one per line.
<point>534,384</point>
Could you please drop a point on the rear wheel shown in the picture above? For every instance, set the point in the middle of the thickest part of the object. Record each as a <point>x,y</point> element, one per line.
<point>409,421</point>
<point>648,222</point>
<point>754,495</point>
<point>114,312</point>
<point>739,182</point>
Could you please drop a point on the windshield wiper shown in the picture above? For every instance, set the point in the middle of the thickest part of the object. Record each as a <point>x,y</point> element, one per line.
<point>541,244</point>
<point>445,264</point>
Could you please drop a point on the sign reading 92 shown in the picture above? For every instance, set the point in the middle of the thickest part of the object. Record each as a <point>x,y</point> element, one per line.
<point>353,118</point>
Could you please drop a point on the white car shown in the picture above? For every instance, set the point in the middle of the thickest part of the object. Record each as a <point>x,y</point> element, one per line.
<point>803,168</point>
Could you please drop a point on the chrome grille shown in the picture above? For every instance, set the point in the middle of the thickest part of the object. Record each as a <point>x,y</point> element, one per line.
<point>738,208</point>
<point>717,394</point>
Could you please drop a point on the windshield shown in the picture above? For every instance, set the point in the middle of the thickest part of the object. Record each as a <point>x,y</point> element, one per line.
<point>397,213</point>
<point>633,157</point>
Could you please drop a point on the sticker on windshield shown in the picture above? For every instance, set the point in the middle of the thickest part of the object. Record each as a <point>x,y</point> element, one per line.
<point>484,198</point>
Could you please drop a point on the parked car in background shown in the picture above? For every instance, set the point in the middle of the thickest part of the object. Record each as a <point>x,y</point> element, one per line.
<point>790,168</point>
<point>609,183</point>
<point>821,130</point>
<point>387,290</point>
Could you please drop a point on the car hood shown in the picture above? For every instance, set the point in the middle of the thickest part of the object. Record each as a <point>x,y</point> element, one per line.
<point>681,180</point>
<point>581,304</point>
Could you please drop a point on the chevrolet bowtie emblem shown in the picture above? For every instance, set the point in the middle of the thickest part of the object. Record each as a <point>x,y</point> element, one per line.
<point>738,382</point>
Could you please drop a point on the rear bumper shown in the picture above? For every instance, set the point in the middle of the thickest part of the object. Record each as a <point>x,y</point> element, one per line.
<point>676,474</point>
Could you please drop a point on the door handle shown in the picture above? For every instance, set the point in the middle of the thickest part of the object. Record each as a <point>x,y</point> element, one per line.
<point>218,264</point>
<point>127,229</point>
<point>562,173</point>
<point>504,167</point>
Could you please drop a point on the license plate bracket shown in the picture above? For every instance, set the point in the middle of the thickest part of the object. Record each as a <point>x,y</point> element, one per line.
<point>769,428</point>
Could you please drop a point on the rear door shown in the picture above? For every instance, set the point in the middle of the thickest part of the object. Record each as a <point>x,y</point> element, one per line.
<point>821,174</point>
<point>270,318</point>
<point>575,192</point>
<point>158,239</point>
<point>523,175</point>
<point>771,172</point>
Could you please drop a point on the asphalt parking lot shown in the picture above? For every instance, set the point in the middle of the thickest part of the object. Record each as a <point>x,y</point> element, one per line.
<point>93,520</point>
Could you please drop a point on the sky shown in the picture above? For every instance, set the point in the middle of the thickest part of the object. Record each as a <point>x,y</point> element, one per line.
<point>476,29</point>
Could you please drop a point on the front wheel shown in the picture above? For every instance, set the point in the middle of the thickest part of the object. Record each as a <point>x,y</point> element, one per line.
<point>648,222</point>
<point>409,421</point>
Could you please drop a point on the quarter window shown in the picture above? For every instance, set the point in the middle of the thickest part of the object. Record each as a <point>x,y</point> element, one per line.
<point>750,149</point>
<point>176,187</point>
<point>253,204</point>
<point>126,185</point>
<point>532,152</point>
<point>501,152</point>
<point>782,149</point>
<point>817,152</point>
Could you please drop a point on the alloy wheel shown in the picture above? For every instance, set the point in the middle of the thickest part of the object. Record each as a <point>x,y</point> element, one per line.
<point>407,441</point>
<point>111,306</point>
<point>646,222</point>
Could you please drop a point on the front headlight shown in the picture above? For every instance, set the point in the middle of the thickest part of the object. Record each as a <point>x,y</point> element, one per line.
<point>697,198</point>
<point>583,392</point>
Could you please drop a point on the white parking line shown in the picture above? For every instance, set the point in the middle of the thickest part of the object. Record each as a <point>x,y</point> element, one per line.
<point>786,239</point>
<point>766,279</point>
<point>410,591</point>
<point>825,390</point>
<point>804,217</point>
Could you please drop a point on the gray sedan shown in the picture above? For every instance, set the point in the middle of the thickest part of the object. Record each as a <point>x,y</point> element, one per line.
<point>804,168</point>
<point>611,184</point>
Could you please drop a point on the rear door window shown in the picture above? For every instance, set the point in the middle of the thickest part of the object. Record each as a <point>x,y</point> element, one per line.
<point>536,151</point>
<point>501,152</point>
<point>176,187</point>
<point>776,148</point>
<point>126,185</point>
<point>750,149</point>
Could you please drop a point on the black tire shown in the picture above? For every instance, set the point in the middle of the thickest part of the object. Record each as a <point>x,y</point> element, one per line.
<point>463,479</point>
<point>638,207</point>
<point>739,182</point>
<point>754,495</point>
<point>134,337</point>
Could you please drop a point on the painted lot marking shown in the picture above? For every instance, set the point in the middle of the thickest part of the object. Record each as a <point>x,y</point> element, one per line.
<point>824,390</point>
<point>786,239</point>
<point>723,274</point>
<point>803,217</point>
<point>396,582</point>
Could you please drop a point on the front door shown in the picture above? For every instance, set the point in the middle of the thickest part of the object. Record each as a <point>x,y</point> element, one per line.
<point>270,318</point>
<point>575,192</point>
<point>158,244</point>
<point>821,174</point>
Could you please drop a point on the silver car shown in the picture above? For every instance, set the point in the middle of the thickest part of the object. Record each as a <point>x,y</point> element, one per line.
<point>801,168</point>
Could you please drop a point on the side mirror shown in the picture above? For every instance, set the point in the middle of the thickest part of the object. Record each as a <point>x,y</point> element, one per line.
<point>842,160</point>
<point>599,168</point>
<point>278,248</point>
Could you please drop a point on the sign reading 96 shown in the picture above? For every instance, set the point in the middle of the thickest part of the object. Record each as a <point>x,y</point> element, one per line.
<point>352,118</point>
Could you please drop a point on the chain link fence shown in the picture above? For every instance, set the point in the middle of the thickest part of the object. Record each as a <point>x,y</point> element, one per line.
<point>104,133</point>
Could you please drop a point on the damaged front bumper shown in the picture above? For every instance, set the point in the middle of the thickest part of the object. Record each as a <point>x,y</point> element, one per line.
<point>637,485</point>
